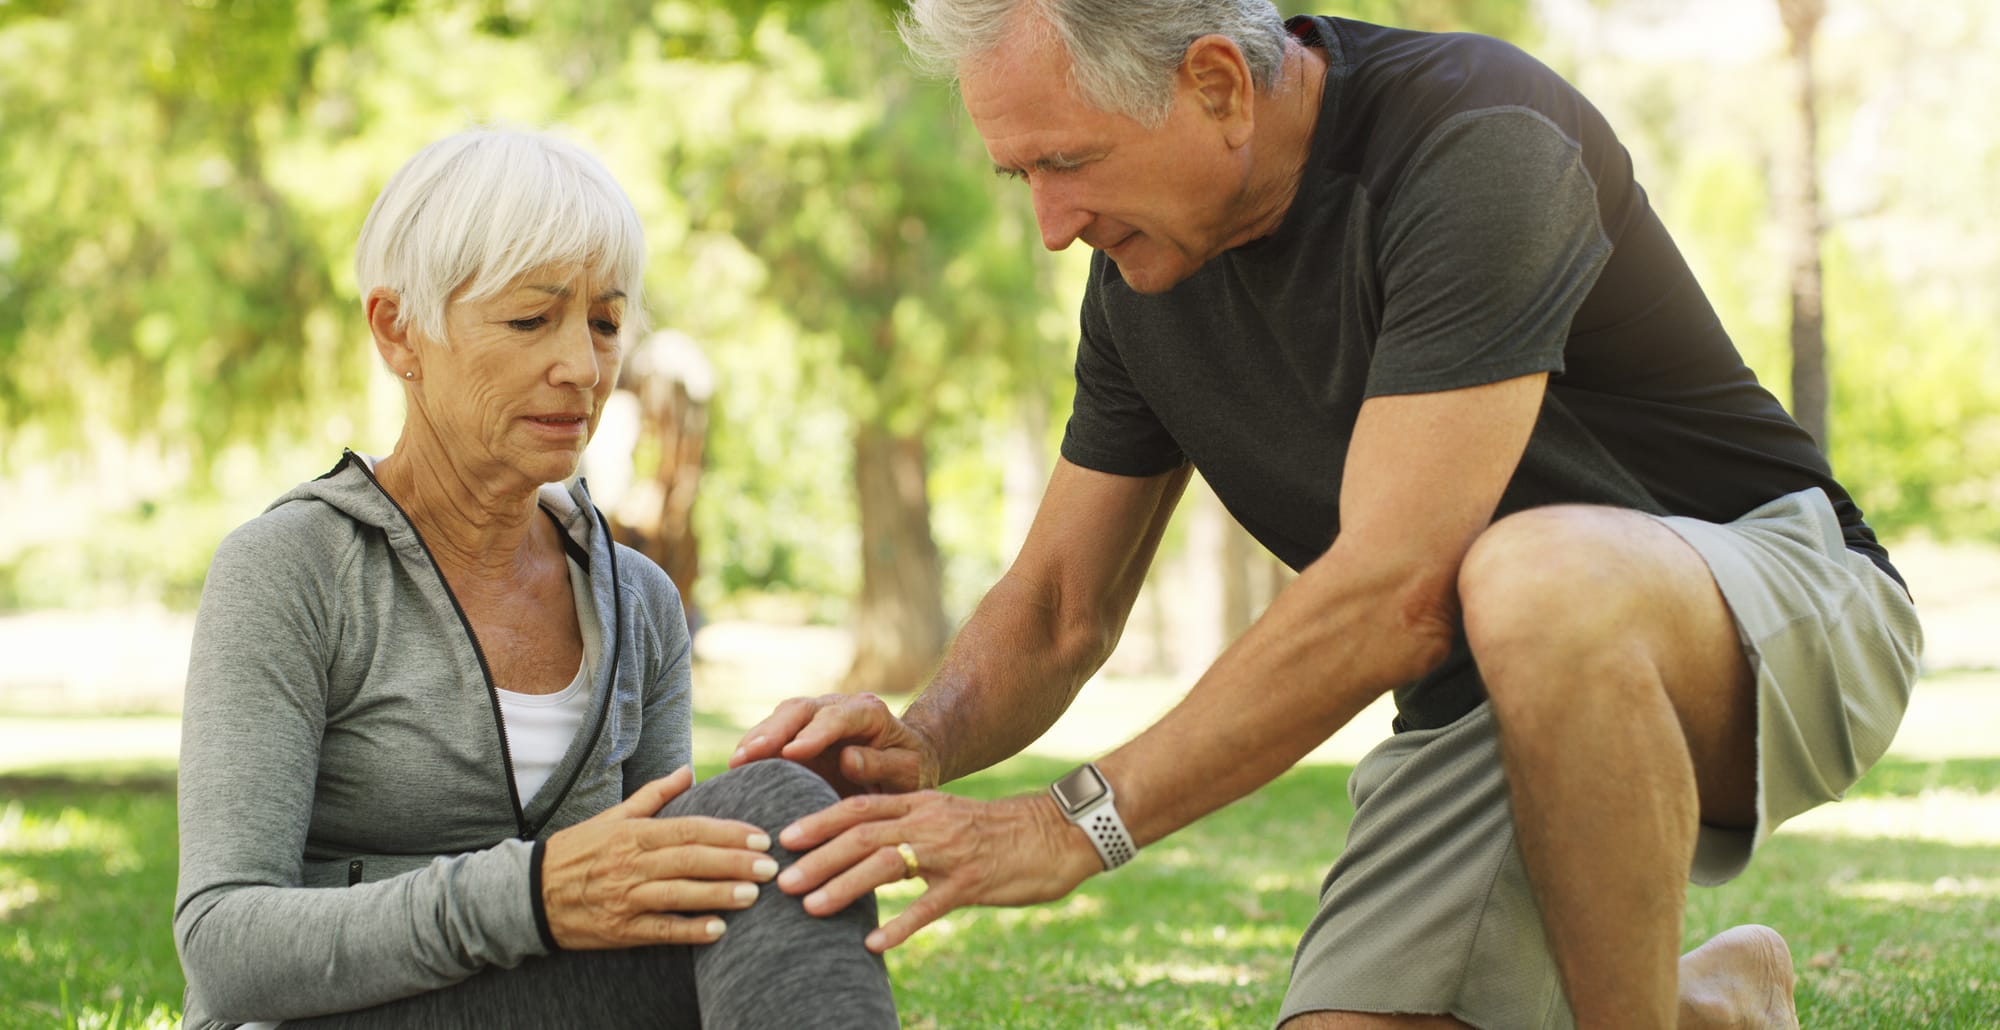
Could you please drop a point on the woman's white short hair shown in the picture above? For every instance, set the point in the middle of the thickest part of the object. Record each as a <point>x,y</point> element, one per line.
<point>477,210</point>
<point>1123,53</point>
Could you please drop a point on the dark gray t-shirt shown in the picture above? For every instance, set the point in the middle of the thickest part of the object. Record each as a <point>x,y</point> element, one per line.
<point>1465,216</point>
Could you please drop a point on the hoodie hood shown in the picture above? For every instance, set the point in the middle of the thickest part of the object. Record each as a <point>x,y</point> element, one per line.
<point>351,488</point>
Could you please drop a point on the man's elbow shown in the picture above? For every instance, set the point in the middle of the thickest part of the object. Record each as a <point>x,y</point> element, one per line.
<point>1425,628</point>
<point>1084,644</point>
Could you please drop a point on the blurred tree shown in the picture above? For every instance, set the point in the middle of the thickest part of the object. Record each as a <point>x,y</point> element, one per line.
<point>1804,224</point>
<point>151,272</point>
<point>881,230</point>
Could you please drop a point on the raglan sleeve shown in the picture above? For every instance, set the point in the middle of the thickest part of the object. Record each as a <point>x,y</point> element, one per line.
<point>1490,241</point>
<point>1111,428</point>
<point>254,942</point>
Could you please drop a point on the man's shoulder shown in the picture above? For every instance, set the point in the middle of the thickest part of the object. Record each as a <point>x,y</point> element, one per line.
<point>1462,70</point>
<point>1399,91</point>
<point>1400,86</point>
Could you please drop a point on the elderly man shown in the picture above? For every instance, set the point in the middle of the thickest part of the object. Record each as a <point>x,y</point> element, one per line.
<point>1400,300</point>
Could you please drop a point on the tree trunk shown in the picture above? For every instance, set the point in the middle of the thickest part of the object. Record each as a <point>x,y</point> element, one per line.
<point>1803,229</point>
<point>1241,603</point>
<point>899,625</point>
<point>672,381</point>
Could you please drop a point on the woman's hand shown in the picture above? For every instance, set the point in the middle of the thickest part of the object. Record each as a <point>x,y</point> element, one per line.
<point>851,740</point>
<point>1015,851</point>
<point>615,879</point>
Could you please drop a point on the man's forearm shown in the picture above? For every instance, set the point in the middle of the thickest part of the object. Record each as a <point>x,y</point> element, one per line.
<point>1336,639</point>
<point>1010,674</point>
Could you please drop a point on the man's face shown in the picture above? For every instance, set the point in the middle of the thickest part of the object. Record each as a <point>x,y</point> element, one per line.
<point>1156,200</point>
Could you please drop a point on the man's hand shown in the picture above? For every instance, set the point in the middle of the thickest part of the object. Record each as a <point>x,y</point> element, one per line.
<point>623,878</point>
<point>850,740</point>
<point>1015,851</point>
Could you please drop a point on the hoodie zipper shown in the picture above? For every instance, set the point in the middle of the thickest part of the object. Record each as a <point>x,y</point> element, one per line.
<point>485,670</point>
<point>616,649</point>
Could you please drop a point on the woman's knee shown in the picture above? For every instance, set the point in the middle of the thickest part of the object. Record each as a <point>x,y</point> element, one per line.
<point>772,794</point>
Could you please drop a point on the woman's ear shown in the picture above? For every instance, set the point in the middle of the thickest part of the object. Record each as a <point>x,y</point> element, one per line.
<point>392,335</point>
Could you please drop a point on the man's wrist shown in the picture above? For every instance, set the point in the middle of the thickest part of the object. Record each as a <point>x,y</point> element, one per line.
<point>1086,799</point>
<point>1076,858</point>
<point>930,765</point>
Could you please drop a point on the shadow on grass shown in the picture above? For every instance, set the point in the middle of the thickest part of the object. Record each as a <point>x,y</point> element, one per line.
<point>87,868</point>
<point>1884,932</point>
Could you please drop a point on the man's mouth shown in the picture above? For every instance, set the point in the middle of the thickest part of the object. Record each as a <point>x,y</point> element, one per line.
<point>1123,240</point>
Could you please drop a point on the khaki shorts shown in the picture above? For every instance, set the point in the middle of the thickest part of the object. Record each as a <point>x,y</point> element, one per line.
<point>1428,910</point>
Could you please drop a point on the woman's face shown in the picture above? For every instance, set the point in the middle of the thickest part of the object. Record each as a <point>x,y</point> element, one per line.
<point>519,389</point>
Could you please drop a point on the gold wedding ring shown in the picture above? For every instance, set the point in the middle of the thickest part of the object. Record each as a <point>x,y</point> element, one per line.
<point>909,859</point>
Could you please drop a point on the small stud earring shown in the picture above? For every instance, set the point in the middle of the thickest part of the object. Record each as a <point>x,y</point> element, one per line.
<point>409,375</point>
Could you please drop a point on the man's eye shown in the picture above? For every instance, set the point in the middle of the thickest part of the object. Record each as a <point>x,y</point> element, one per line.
<point>527,325</point>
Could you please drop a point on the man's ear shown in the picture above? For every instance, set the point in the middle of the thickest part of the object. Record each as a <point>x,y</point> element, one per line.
<point>1214,70</point>
<point>392,341</point>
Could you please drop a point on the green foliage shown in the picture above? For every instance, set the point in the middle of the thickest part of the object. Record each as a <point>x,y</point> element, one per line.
<point>154,271</point>
<point>1917,389</point>
<point>181,184</point>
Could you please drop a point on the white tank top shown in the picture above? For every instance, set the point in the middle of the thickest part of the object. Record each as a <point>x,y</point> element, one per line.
<point>540,728</point>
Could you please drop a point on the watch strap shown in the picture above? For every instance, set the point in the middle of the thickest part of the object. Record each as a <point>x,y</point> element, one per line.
<point>1107,834</point>
<point>1098,816</point>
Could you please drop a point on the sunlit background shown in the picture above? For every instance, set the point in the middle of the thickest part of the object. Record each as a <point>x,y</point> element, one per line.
<point>863,365</point>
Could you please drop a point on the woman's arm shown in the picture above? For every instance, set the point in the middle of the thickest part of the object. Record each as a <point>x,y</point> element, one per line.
<point>657,623</point>
<point>255,943</point>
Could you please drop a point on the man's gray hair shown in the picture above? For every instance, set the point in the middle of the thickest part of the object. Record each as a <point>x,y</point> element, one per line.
<point>477,210</point>
<point>1123,53</point>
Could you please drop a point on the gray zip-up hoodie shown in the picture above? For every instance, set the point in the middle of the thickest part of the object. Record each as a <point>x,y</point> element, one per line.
<point>349,830</point>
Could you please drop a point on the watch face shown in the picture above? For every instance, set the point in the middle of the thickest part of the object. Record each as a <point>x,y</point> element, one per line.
<point>1081,787</point>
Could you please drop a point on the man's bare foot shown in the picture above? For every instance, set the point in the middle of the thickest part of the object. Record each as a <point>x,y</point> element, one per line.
<point>1741,978</point>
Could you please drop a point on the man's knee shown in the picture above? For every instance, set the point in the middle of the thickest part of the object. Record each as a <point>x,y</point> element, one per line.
<point>1568,584</point>
<point>771,794</point>
<point>1551,572</point>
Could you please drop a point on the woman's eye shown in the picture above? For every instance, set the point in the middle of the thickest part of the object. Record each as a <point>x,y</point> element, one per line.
<point>605,326</point>
<point>527,325</point>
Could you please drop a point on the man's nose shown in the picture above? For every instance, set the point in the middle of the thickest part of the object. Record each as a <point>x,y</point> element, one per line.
<point>1060,220</point>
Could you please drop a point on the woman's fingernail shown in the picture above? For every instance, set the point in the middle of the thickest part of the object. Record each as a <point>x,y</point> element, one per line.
<point>745,893</point>
<point>758,842</point>
<point>764,868</point>
<point>715,927</point>
<point>815,899</point>
<point>737,756</point>
<point>874,941</point>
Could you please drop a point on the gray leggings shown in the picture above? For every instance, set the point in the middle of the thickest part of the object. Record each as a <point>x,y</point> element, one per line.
<point>776,967</point>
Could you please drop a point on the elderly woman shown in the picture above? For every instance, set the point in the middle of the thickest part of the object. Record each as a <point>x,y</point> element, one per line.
<point>434,759</point>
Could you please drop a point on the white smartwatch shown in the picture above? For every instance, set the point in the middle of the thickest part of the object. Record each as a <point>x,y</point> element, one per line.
<point>1085,799</point>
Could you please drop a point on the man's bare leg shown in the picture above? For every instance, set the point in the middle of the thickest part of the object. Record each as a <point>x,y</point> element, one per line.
<point>1627,716</point>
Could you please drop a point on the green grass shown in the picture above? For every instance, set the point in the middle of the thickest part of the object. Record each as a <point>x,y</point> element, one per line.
<point>1198,933</point>
<point>87,864</point>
